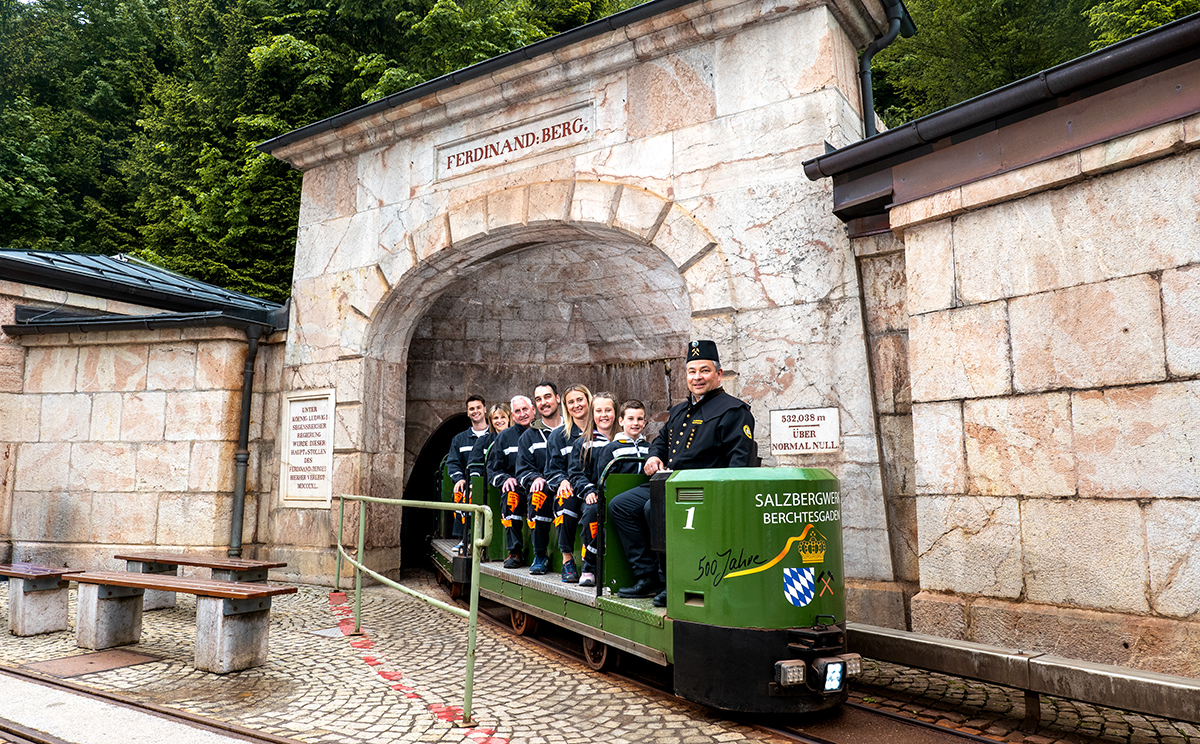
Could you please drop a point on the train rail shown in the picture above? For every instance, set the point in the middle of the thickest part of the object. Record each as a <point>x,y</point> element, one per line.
<point>17,733</point>
<point>853,724</point>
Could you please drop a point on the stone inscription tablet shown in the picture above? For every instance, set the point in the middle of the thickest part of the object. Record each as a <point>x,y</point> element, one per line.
<point>803,431</point>
<point>504,144</point>
<point>308,448</point>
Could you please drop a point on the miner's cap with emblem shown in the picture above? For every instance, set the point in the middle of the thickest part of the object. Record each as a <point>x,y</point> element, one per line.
<point>703,349</point>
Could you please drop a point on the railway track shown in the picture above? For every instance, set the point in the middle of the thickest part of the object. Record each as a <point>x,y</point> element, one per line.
<point>12,732</point>
<point>852,724</point>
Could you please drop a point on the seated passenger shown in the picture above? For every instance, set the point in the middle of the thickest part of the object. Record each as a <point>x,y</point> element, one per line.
<point>498,418</point>
<point>711,429</point>
<point>533,458</point>
<point>567,506</point>
<point>502,473</point>
<point>456,460</point>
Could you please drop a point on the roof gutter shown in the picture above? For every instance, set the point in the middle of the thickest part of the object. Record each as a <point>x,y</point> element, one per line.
<point>896,16</point>
<point>28,325</point>
<point>1048,85</point>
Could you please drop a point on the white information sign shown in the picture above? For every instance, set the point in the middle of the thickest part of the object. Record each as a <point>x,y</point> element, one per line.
<point>803,431</point>
<point>308,448</point>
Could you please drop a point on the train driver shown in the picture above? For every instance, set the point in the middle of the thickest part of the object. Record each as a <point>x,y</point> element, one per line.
<point>502,473</point>
<point>460,453</point>
<point>710,429</point>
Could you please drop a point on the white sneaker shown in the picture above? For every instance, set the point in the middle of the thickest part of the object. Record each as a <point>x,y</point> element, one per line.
<point>587,578</point>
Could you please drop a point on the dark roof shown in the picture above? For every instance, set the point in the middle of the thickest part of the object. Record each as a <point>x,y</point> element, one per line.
<point>1107,68</point>
<point>487,67</point>
<point>130,280</point>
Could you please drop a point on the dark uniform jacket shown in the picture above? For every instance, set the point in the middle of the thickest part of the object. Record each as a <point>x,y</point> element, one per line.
<point>585,476</point>
<point>460,453</point>
<point>478,459</point>
<point>502,460</point>
<point>533,455</point>
<point>559,444</point>
<point>716,431</point>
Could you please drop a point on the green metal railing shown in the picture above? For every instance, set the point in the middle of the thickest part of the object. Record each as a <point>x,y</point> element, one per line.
<point>478,543</point>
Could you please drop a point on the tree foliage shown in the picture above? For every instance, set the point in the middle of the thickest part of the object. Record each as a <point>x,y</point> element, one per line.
<point>964,48</point>
<point>130,125</point>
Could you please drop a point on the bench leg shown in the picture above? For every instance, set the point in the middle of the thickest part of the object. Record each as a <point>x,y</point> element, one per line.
<point>227,643</point>
<point>155,599</point>
<point>106,622</point>
<point>35,611</point>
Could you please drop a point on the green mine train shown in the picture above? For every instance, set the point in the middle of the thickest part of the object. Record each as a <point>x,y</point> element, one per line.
<point>756,610</point>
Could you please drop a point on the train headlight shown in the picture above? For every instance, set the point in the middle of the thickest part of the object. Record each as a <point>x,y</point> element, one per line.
<point>830,674</point>
<point>853,664</point>
<point>789,673</point>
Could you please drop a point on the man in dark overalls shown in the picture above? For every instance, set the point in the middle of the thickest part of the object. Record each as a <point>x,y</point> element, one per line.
<point>711,429</point>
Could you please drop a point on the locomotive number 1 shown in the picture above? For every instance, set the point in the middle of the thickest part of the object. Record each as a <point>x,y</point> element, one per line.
<point>691,514</point>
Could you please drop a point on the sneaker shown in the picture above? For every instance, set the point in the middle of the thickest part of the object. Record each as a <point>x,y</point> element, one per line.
<point>513,561</point>
<point>460,549</point>
<point>540,564</point>
<point>587,578</point>
<point>660,599</point>
<point>570,574</point>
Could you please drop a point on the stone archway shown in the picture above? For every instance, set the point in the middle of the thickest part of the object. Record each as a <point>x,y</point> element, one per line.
<point>583,281</point>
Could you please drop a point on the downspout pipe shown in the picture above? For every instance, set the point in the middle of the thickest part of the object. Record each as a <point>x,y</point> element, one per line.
<point>895,16</point>
<point>242,457</point>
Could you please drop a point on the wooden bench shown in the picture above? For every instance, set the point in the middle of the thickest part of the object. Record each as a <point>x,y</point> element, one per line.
<point>37,598</point>
<point>223,569</point>
<point>231,617</point>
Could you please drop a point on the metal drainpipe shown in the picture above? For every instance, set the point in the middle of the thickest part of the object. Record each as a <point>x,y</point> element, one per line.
<point>895,12</point>
<point>242,458</point>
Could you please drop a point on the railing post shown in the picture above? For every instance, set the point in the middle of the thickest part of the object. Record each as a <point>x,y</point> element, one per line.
<point>362,541</point>
<point>337,575</point>
<point>472,618</point>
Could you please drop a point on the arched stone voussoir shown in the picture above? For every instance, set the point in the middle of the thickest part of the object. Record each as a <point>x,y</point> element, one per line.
<point>683,238</point>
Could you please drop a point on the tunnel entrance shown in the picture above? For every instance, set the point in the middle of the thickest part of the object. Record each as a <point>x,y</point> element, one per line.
<point>611,314</point>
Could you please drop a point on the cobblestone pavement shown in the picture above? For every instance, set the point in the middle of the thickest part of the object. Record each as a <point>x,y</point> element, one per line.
<point>402,682</point>
<point>996,712</point>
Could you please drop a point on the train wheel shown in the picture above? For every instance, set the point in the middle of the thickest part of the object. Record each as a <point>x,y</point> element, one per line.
<point>524,624</point>
<point>600,656</point>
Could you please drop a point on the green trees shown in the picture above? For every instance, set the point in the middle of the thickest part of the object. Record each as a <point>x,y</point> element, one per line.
<point>130,125</point>
<point>964,48</point>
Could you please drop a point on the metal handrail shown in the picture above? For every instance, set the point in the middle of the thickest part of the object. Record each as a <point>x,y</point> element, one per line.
<point>478,543</point>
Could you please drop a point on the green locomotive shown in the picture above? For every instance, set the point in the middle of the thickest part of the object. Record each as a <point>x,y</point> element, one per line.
<point>755,615</point>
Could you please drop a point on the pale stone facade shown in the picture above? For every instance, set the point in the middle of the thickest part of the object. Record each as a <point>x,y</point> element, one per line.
<point>1052,343</point>
<point>118,440</point>
<point>672,210</point>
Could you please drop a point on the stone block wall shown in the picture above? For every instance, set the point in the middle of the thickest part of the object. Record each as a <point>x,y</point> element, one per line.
<point>1052,350</point>
<point>881,265</point>
<point>118,440</point>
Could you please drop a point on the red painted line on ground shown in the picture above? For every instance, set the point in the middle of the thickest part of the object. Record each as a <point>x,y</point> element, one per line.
<point>448,713</point>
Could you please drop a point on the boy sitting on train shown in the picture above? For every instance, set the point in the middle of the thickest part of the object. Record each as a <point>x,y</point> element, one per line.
<point>501,471</point>
<point>710,429</point>
<point>533,458</point>
<point>626,444</point>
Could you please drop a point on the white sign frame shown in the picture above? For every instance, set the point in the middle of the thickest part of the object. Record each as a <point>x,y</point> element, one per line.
<point>806,431</point>
<point>306,472</point>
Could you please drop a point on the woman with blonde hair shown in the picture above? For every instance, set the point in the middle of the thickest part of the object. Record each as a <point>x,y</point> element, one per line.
<point>567,507</point>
